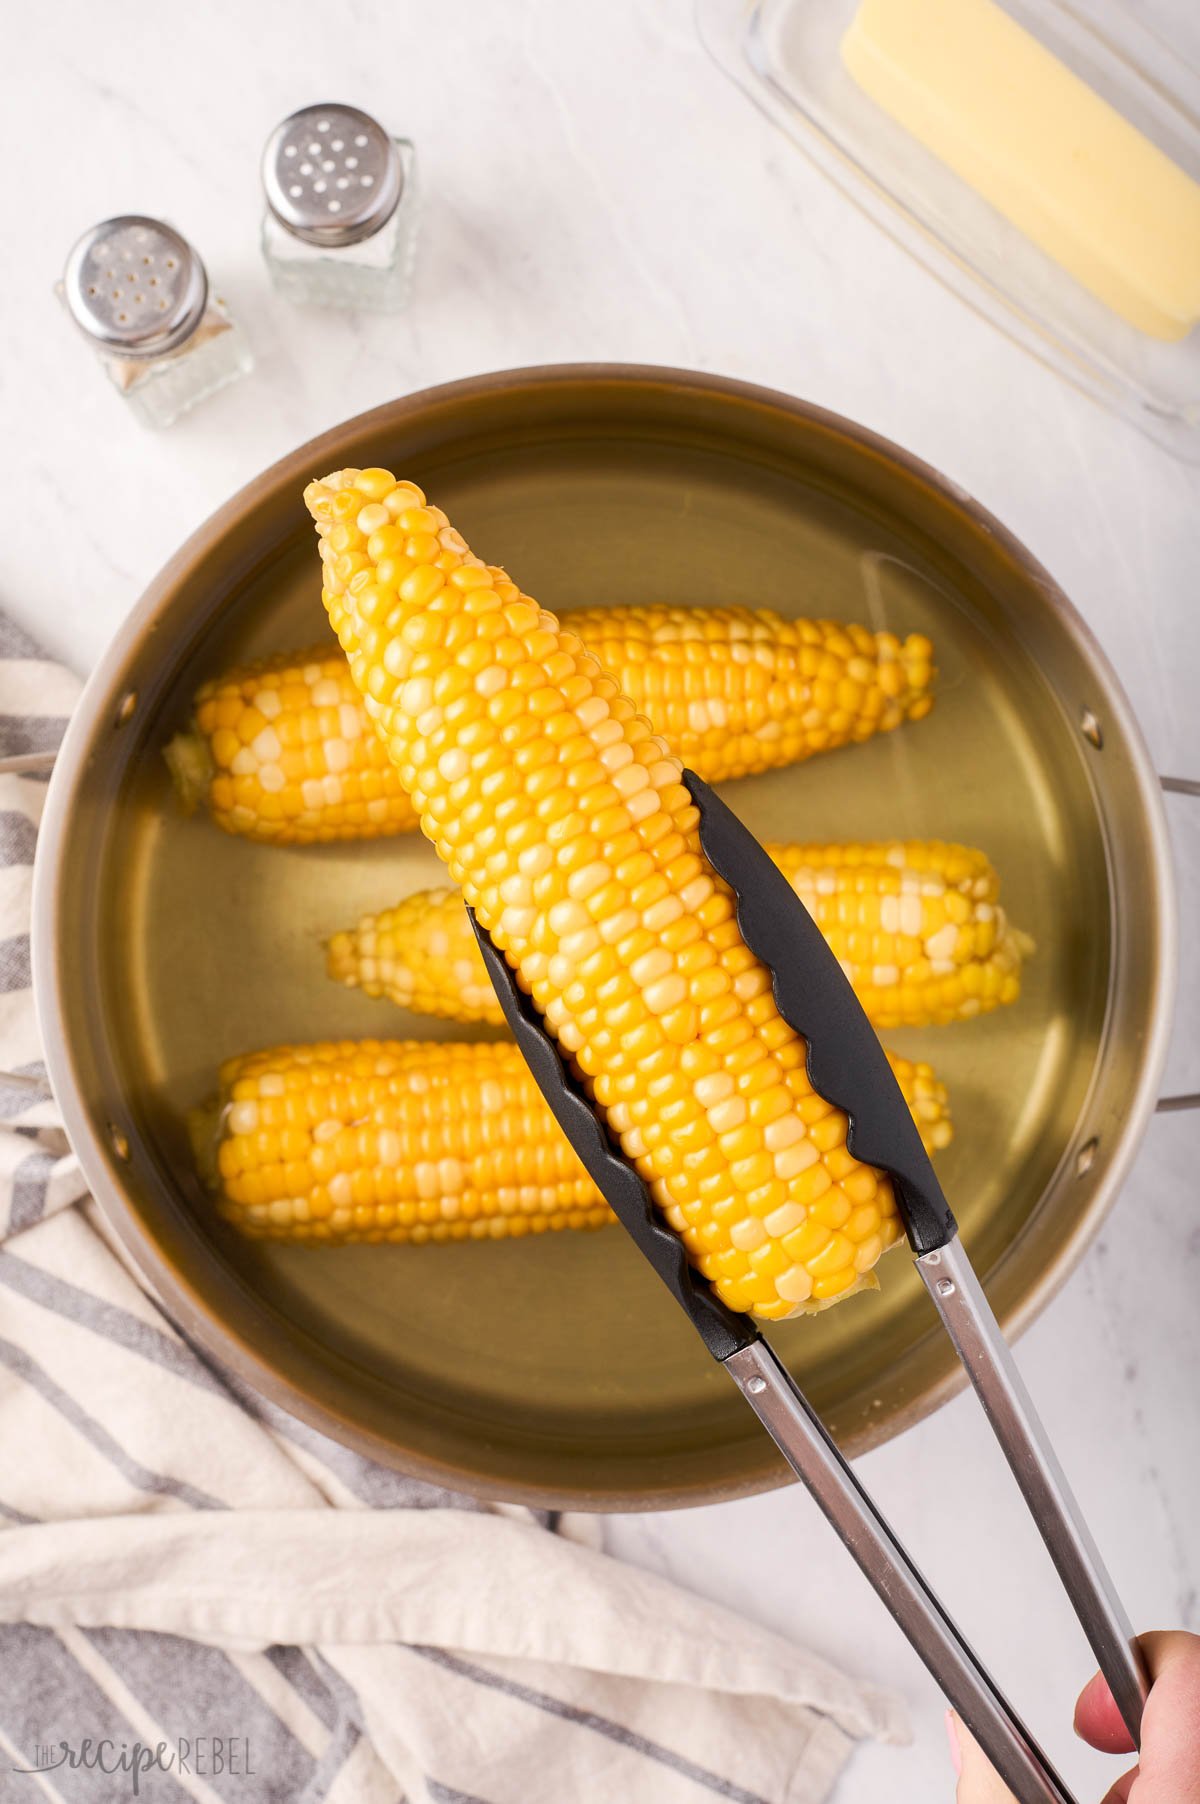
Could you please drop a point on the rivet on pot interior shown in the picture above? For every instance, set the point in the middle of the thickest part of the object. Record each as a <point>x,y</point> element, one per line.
<point>1086,1157</point>
<point>118,1142</point>
<point>126,708</point>
<point>1090,727</point>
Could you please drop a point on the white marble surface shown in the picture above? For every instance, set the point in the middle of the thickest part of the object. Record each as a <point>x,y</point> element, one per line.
<point>596,189</point>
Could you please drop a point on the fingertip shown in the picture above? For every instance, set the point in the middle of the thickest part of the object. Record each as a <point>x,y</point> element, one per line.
<point>978,1781</point>
<point>955,1748</point>
<point>1098,1721</point>
<point>1120,1792</point>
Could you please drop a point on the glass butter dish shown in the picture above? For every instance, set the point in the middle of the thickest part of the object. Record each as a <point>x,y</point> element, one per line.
<point>788,57</point>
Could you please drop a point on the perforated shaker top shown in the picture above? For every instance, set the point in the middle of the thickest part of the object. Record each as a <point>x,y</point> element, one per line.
<point>332,175</point>
<point>135,286</point>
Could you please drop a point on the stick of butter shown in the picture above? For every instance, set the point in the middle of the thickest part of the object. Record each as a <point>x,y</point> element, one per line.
<point>1033,139</point>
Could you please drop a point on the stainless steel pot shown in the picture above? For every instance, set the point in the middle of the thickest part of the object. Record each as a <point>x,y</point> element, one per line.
<point>554,1372</point>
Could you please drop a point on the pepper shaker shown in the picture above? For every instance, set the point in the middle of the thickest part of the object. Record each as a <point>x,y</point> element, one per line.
<point>340,224</point>
<point>139,293</point>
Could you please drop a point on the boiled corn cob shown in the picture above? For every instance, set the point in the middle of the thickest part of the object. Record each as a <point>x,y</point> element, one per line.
<point>420,955</point>
<point>563,818</point>
<point>415,1141</point>
<point>916,926</point>
<point>395,1140</point>
<point>735,691</point>
<point>281,751</point>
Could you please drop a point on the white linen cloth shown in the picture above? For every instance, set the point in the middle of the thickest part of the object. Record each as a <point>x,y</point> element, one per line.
<point>182,1563</point>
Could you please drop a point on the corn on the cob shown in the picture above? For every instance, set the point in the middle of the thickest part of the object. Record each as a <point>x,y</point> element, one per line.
<point>738,690</point>
<point>563,818</point>
<point>281,750</point>
<point>395,1140</point>
<point>420,955</point>
<point>916,926</point>
<point>415,1141</point>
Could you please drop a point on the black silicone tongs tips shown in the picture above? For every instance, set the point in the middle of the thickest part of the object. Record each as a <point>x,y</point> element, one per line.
<point>848,1067</point>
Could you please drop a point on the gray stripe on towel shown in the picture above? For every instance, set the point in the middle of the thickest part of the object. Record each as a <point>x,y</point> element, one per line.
<point>194,1690</point>
<point>15,642</point>
<point>29,1185</point>
<point>340,1689</point>
<point>342,1744</point>
<point>20,733</point>
<point>108,1320</point>
<point>22,1088</point>
<point>588,1719</point>
<point>157,1483</point>
<point>18,837</point>
<point>15,972</point>
<point>294,1665</point>
<point>448,1794</point>
<point>47,1697</point>
<point>15,1788</point>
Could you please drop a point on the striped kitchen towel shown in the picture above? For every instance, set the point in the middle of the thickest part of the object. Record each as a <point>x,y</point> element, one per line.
<point>201,1598</point>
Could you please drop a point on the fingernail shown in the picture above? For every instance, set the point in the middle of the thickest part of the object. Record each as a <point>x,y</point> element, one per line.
<point>952,1738</point>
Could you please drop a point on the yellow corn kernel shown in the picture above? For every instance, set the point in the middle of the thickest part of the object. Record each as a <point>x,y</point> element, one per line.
<point>421,955</point>
<point>394,1140</point>
<point>917,926</point>
<point>546,757</point>
<point>283,751</point>
<point>732,690</point>
<point>880,906</point>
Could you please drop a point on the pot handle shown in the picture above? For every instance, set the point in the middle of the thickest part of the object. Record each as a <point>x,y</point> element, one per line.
<point>1169,1105</point>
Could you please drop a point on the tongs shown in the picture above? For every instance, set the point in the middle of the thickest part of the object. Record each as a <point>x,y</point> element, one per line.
<point>848,1067</point>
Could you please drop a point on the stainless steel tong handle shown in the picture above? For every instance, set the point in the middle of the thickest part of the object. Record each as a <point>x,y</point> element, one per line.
<point>987,1359</point>
<point>805,1444</point>
<point>800,1436</point>
<point>848,1067</point>
<point>735,1341</point>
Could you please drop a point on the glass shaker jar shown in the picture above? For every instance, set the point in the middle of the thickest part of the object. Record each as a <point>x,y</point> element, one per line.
<point>139,292</point>
<point>340,225</point>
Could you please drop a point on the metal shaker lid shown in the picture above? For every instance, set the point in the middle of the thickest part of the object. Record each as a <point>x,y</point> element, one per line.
<point>332,175</point>
<point>135,286</point>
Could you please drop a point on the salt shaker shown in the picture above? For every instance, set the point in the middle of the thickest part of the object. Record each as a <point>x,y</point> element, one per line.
<point>139,292</point>
<point>340,225</point>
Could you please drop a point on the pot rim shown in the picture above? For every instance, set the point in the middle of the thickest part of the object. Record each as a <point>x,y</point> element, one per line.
<point>93,714</point>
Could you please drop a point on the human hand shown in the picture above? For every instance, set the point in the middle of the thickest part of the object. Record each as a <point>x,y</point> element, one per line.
<point>1168,1771</point>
